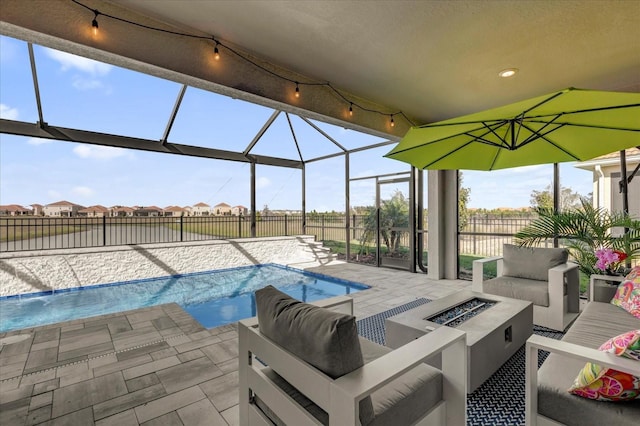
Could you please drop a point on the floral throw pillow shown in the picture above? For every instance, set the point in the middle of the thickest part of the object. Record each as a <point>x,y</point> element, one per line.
<point>628,294</point>
<point>606,384</point>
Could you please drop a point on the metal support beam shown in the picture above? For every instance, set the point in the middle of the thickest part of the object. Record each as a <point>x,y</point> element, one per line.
<point>347,206</point>
<point>172,118</point>
<point>304,200</point>
<point>36,87</point>
<point>82,136</point>
<point>258,135</point>
<point>253,200</point>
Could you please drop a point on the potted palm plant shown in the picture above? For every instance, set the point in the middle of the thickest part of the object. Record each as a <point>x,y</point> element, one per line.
<point>588,233</point>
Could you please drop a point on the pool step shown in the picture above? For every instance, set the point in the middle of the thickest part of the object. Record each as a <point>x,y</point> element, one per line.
<point>318,250</point>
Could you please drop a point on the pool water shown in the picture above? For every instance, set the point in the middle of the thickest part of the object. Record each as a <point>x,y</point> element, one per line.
<point>213,298</point>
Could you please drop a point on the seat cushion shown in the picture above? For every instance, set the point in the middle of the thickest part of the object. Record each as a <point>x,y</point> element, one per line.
<point>325,339</point>
<point>530,262</point>
<point>403,401</point>
<point>628,293</point>
<point>597,323</point>
<point>406,399</point>
<point>533,291</point>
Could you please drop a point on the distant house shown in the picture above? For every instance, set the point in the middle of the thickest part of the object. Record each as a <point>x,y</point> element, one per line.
<point>94,211</point>
<point>121,211</point>
<point>37,209</point>
<point>175,211</point>
<point>147,211</point>
<point>61,209</point>
<point>188,211</point>
<point>201,209</point>
<point>606,181</point>
<point>222,209</point>
<point>14,210</point>
<point>239,211</point>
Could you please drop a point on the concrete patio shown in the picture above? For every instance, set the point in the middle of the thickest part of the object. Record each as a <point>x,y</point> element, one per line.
<point>156,366</point>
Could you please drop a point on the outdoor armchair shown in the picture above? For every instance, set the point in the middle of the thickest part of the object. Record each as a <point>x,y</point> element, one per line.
<point>542,276</point>
<point>313,369</point>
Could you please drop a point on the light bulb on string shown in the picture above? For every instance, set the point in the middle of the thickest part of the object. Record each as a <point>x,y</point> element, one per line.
<point>216,52</point>
<point>393,124</point>
<point>94,23</point>
<point>351,109</point>
<point>297,90</point>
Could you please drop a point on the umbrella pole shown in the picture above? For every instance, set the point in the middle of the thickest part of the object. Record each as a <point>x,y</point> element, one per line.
<point>624,186</point>
<point>556,198</point>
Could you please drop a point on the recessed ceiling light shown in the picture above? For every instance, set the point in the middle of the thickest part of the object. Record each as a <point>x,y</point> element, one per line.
<point>509,72</point>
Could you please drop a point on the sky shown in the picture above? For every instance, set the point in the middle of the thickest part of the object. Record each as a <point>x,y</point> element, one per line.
<point>84,94</point>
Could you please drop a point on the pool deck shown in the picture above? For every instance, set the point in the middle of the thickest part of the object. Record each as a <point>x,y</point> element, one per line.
<point>157,365</point>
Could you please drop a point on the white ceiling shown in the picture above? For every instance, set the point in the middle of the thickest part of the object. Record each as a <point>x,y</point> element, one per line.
<point>430,59</point>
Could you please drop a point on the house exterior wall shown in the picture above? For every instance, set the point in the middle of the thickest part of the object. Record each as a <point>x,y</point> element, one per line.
<point>222,210</point>
<point>29,272</point>
<point>606,192</point>
<point>60,210</point>
<point>200,210</point>
<point>239,211</point>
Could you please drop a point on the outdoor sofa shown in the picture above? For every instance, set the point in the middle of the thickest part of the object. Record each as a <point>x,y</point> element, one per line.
<point>548,401</point>
<point>542,276</point>
<point>303,364</point>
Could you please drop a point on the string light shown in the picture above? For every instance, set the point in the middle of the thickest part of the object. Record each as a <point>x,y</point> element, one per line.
<point>216,53</point>
<point>94,23</point>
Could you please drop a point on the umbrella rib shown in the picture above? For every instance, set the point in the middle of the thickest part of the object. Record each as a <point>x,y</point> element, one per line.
<point>467,133</point>
<point>580,111</point>
<point>535,134</point>
<point>542,136</point>
<point>447,154</point>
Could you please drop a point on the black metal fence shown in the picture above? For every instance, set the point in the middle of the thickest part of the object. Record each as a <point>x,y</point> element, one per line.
<point>44,233</point>
<point>483,235</point>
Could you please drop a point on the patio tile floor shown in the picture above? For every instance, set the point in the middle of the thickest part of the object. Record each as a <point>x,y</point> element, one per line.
<point>157,365</point>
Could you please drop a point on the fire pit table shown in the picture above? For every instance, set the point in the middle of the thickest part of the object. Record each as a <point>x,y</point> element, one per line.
<point>496,328</point>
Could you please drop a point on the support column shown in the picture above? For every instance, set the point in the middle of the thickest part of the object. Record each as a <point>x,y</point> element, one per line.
<point>443,224</point>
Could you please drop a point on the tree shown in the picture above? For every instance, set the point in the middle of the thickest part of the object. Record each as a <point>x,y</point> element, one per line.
<point>583,231</point>
<point>464,196</point>
<point>544,199</point>
<point>394,213</point>
<point>265,210</point>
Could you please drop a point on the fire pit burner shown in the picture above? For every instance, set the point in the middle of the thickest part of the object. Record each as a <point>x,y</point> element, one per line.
<point>458,314</point>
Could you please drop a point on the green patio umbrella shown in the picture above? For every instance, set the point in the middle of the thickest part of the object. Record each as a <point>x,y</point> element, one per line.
<point>570,125</point>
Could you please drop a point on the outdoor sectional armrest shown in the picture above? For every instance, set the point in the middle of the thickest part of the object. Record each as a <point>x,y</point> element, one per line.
<point>567,275</point>
<point>339,397</point>
<point>572,350</point>
<point>592,284</point>
<point>478,271</point>
<point>450,342</point>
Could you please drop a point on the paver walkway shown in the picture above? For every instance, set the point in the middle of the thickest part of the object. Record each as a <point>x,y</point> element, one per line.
<point>155,366</point>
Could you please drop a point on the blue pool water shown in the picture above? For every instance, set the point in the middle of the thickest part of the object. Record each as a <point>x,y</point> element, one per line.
<point>213,298</point>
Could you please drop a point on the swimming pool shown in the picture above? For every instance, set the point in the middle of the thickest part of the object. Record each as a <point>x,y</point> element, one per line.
<point>213,298</point>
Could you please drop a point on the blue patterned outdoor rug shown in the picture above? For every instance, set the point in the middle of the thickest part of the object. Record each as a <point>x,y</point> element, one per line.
<point>499,400</point>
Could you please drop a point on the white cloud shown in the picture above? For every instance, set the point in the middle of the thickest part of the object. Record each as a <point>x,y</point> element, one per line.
<point>97,152</point>
<point>54,194</point>
<point>8,113</point>
<point>262,182</point>
<point>69,61</point>
<point>82,83</point>
<point>38,141</point>
<point>82,191</point>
